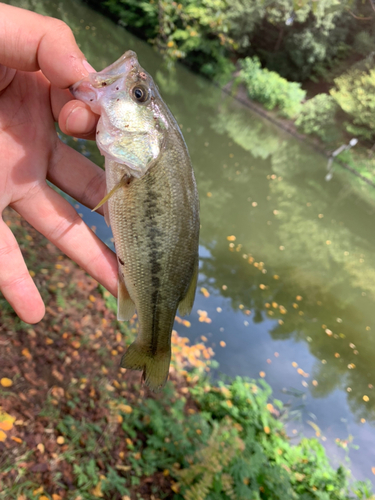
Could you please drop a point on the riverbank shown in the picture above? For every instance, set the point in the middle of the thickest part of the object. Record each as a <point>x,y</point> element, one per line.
<point>73,425</point>
<point>213,41</point>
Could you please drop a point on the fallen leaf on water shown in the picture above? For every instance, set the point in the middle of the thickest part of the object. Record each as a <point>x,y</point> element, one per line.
<point>262,374</point>
<point>205,292</point>
<point>315,427</point>
<point>231,238</point>
<point>222,343</point>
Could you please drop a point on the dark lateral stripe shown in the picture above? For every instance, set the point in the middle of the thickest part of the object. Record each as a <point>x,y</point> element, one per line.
<point>153,241</point>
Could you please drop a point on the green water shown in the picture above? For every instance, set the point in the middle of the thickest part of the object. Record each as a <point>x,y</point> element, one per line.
<point>292,291</point>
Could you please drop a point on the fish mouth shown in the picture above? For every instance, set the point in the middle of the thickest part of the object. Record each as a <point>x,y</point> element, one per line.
<point>126,64</point>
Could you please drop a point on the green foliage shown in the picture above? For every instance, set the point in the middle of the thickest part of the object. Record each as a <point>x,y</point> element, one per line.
<point>255,455</point>
<point>317,117</point>
<point>207,473</point>
<point>299,40</point>
<point>355,94</point>
<point>270,89</point>
<point>193,30</point>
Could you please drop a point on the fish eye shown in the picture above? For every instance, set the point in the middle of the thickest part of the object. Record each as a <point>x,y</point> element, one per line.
<point>140,94</point>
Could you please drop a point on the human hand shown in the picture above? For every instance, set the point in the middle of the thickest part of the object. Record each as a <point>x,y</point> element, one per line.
<point>31,152</point>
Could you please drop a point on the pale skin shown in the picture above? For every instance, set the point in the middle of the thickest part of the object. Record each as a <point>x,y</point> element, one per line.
<point>39,60</point>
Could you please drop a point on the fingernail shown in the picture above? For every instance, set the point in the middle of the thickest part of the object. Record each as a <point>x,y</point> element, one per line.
<point>80,121</point>
<point>88,66</point>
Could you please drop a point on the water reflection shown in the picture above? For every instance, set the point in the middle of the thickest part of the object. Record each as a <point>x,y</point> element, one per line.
<point>287,258</point>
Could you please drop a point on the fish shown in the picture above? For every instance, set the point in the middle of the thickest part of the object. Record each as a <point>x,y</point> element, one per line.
<point>152,206</point>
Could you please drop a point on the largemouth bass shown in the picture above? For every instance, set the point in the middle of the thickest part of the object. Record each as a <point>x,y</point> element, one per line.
<point>152,206</point>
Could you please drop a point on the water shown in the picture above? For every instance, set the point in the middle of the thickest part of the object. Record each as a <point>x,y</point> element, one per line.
<point>286,257</point>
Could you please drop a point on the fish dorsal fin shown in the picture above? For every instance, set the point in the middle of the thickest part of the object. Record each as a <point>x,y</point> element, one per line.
<point>186,304</point>
<point>125,305</point>
<point>125,180</point>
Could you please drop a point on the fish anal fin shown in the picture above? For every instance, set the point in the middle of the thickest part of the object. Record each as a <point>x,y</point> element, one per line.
<point>125,305</point>
<point>186,304</point>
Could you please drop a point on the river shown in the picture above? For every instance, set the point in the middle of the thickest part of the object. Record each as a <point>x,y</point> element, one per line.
<point>287,264</point>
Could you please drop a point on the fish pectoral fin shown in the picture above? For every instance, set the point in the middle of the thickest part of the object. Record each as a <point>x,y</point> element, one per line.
<point>125,305</point>
<point>106,214</point>
<point>186,304</point>
<point>155,367</point>
<point>123,182</point>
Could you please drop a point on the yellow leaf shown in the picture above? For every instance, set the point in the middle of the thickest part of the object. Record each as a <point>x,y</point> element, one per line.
<point>6,382</point>
<point>60,440</point>
<point>125,408</point>
<point>38,490</point>
<point>97,491</point>
<point>43,497</point>
<point>25,352</point>
<point>3,436</point>
<point>6,421</point>
<point>16,439</point>
<point>231,238</point>
<point>55,496</point>
<point>175,487</point>
<point>205,292</point>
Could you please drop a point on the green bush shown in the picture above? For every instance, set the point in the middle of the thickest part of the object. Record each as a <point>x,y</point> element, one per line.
<point>193,30</point>
<point>317,117</point>
<point>270,89</point>
<point>232,446</point>
<point>355,94</point>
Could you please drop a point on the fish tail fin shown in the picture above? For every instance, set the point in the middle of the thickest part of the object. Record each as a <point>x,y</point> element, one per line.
<point>155,367</point>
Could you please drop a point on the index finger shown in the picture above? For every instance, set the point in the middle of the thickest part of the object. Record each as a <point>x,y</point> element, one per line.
<point>30,41</point>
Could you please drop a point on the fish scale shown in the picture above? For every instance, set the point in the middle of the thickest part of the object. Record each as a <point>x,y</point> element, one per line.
<point>153,208</point>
